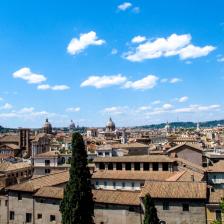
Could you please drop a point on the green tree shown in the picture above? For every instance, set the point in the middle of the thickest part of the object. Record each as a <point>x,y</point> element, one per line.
<point>77,206</point>
<point>221,205</point>
<point>150,211</point>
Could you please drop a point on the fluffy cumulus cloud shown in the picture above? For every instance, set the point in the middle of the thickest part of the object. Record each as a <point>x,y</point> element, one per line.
<point>183,99</point>
<point>138,39</point>
<point>73,109</point>
<point>26,74</point>
<point>104,81</point>
<point>147,82</point>
<point>124,6</point>
<point>6,106</point>
<point>77,45</point>
<point>166,47</point>
<point>55,87</point>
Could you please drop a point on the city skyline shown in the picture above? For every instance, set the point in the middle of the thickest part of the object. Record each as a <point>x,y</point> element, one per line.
<point>139,62</point>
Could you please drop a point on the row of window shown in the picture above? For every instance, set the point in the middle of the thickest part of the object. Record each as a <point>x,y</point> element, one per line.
<point>185,206</point>
<point>21,174</point>
<point>115,184</point>
<point>6,152</point>
<point>137,166</point>
<point>29,217</point>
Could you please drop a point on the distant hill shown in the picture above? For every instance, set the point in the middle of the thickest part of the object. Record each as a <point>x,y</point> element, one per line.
<point>206,124</point>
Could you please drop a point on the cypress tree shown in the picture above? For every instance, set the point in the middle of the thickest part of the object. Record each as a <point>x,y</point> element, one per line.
<point>77,206</point>
<point>150,211</point>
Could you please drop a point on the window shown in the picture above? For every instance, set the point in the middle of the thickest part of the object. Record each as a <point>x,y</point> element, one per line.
<point>114,185</point>
<point>127,166</point>
<point>133,185</point>
<point>39,216</point>
<point>142,184</point>
<point>107,153</point>
<point>52,218</point>
<point>123,184</point>
<point>185,207</point>
<point>17,174</point>
<point>218,215</point>
<point>166,205</point>
<point>100,153</point>
<point>47,162</point>
<point>47,171</point>
<point>19,197</point>
<point>137,166</point>
<point>102,166</point>
<point>97,183</point>
<point>145,166</point>
<point>12,215</point>
<point>165,166</point>
<point>110,166</point>
<point>28,217</point>
<point>105,184</point>
<point>155,166</point>
<point>6,202</point>
<point>119,166</point>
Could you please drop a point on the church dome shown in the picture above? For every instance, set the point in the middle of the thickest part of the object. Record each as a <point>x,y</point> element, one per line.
<point>110,125</point>
<point>72,125</point>
<point>47,127</point>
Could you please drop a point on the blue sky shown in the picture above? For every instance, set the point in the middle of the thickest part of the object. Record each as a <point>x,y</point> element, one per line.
<point>140,62</point>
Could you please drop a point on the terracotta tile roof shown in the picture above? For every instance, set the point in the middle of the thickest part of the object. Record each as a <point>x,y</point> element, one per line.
<point>6,166</point>
<point>193,146</point>
<point>177,190</point>
<point>50,192</point>
<point>144,158</point>
<point>188,164</point>
<point>217,167</point>
<point>9,138</point>
<point>10,146</point>
<point>100,196</point>
<point>216,196</point>
<point>43,181</point>
<point>132,175</point>
<point>117,197</point>
<point>130,145</point>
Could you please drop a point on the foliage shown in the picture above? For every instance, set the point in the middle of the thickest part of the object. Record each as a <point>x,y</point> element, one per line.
<point>150,211</point>
<point>77,205</point>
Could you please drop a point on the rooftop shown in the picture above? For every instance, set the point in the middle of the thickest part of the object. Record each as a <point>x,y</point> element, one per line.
<point>175,190</point>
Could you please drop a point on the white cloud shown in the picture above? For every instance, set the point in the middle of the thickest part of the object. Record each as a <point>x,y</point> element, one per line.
<point>114,51</point>
<point>175,80</point>
<point>144,108</point>
<point>26,74</point>
<point>6,106</point>
<point>77,45</point>
<point>156,102</point>
<point>124,6</point>
<point>183,99</point>
<point>192,51</point>
<point>147,82</point>
<point>166,47</point>
<point>104,81</point>
<point>115,110</point>
<point>55,87</point>
<point>221,59</point>
<point>73,109</point>
<point>167,106</point>
<point>1,98</point>
<point>138,39</point>
<point>197,108</point>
